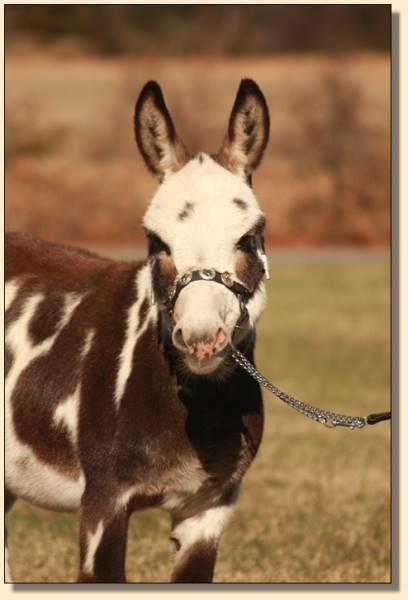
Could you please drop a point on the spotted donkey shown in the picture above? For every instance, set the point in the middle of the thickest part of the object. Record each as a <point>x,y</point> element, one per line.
<point>121,390</point>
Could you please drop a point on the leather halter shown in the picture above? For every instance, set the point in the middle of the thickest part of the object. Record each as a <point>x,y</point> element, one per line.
<point>225,279</point>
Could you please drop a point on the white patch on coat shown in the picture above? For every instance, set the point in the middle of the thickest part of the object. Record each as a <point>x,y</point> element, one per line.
<point>71,301</point>
<point>206,526</point>
<point>26,476</point>
<point>175,485</point>
<point>88,343</point>
<point>207,237</point>
<point>175,498</point>
<point>20,343</point>
<point>123,499</point>
<point>10,292</point>
<point>66,414</point>
<point>67,411</point>
<point>94,539</point>
<point>134,330</point>
<point>256,305</point>
<point>29,478</point>
<point>186,484</point>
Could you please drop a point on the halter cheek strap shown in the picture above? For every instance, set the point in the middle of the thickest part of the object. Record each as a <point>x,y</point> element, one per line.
<point>225,279</point>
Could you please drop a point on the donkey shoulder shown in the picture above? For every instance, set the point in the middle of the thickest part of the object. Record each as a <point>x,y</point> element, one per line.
<point>28,255</point>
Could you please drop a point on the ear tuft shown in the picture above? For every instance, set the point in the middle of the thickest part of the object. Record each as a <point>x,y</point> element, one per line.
<point>155,134</point>
<point>248,131</point>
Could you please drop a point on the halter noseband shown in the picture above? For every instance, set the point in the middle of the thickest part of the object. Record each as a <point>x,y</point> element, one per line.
<point>242,293</point>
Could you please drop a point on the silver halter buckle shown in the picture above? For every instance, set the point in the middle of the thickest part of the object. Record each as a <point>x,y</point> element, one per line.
<point>207,274</point>
<point>186,278</point>
<point>226,279</point>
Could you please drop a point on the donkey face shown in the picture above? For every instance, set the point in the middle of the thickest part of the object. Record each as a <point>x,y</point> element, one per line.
<point>204,215</point>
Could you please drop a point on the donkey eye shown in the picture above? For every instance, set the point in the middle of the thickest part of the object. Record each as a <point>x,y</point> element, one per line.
<point>246,243</point>
<point>156,245</point>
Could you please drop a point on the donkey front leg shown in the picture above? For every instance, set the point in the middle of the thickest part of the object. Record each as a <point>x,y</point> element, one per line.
<point>103,537</point>
<point>195,542</point>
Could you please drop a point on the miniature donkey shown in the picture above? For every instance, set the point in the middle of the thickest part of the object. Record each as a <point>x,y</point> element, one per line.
<point>121,390</point>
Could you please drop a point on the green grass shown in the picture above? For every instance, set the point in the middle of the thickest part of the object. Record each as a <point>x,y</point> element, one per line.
<point>315,505</point>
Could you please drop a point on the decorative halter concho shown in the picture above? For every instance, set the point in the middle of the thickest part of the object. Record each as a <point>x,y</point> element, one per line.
<point>225,279</point>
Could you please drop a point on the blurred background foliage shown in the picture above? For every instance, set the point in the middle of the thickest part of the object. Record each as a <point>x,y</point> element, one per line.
<point>205,29</point>
<point>73,74</point>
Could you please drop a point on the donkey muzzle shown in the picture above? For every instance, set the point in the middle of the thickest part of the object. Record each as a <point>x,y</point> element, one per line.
<point>200,346</point>
<point>206,306</point>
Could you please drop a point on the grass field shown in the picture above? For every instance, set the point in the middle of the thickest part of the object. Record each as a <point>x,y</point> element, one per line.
<point>315,505</point>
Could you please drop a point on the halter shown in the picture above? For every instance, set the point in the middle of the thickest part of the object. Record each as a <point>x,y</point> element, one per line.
<point>241,292</point>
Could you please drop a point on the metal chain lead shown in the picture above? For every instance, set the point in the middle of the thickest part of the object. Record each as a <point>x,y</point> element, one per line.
<point>325,417</point>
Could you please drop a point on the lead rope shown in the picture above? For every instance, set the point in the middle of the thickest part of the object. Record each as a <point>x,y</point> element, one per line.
<point>325,417</point>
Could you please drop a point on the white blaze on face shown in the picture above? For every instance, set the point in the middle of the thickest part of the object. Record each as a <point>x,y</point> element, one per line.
<point>204,192</point>
<point>201,212</point>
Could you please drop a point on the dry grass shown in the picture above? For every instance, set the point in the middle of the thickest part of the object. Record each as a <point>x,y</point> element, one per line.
<point>315,505</point>
<point>73,171</point>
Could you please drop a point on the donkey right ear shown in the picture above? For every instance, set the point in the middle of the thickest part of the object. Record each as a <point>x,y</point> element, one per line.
<point>248,131</point>
<point>156,137</point>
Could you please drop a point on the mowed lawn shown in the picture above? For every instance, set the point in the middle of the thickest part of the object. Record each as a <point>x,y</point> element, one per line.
<point>315,505</point>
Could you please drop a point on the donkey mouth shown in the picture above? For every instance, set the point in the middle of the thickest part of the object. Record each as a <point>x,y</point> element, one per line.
<point>201,355</point>
<point>204,365</point>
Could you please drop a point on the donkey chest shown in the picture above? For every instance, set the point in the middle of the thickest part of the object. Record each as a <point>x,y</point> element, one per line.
<point>202,479</point>
<point>189,465</point>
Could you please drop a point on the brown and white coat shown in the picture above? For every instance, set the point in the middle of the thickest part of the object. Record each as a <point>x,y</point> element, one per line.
<point>112,403</point>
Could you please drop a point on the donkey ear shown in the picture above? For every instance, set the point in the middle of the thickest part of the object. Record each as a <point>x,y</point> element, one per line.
<point>155,135</point>
<point>248,131</point>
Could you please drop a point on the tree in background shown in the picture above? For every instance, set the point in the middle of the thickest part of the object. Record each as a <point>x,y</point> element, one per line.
<point>203,29</point>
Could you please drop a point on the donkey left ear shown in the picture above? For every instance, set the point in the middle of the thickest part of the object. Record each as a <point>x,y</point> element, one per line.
<point>156,137</point>
<point>248,131</point>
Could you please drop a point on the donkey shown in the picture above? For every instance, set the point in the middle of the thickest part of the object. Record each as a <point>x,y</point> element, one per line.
<point>121,390</point>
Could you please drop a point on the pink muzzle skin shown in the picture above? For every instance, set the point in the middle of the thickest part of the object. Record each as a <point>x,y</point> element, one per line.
<point>206,349</point>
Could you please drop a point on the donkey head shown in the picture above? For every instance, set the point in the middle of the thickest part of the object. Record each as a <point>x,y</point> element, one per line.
<point>204,223</point>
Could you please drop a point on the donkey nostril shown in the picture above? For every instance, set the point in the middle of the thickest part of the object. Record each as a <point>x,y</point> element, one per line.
<point>178,339</point>
<point>220,339</point>
<point>200,346</point>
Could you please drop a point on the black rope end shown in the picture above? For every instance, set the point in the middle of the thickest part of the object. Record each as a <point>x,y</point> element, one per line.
<point>377,417</point>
